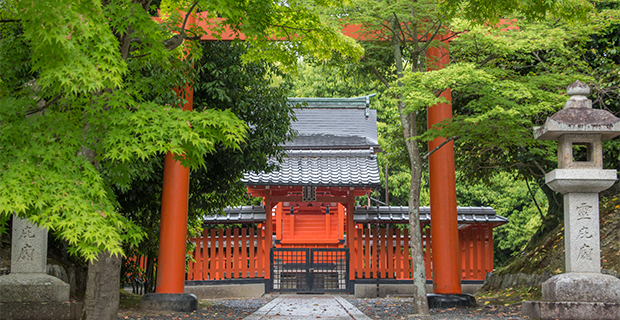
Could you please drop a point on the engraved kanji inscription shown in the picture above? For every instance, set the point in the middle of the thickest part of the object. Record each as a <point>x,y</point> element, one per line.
<point>583,211</point>
<point>584,233</point>
<point>27,232</point>
<point>26,254</point>
<point>585,253</point>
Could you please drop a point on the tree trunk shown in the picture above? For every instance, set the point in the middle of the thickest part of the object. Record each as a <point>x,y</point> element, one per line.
<point>102,288</point>
<point>408,123</point>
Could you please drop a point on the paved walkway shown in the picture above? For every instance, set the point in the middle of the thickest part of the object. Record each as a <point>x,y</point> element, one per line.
<point>292,307</point>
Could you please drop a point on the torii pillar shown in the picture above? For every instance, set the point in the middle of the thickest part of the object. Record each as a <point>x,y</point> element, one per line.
<point>445,254</point>
<point>170,284</point>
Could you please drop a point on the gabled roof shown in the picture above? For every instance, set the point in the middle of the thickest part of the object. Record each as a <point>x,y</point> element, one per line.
<point>334,123</point>
<point>322,168</point>
<point>335,146</point>
<point>465,215</point>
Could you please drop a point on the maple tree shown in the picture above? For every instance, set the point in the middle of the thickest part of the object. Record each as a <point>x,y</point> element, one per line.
<point>86,100</point>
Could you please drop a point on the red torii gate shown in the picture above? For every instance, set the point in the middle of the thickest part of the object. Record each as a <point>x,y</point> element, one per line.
<point>445,246</point>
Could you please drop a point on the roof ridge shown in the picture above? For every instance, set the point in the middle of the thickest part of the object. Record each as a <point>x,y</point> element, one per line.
<point>330,152</point>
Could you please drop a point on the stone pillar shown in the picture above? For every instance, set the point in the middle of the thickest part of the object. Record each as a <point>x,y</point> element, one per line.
<point>28,248</point>
<point>28,292</point>
<point>582,292</point>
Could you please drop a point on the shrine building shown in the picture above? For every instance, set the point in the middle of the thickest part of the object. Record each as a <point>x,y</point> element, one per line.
<point>310,236</point>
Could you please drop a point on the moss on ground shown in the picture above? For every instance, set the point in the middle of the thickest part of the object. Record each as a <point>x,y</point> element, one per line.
<point>129,300</point>
<point>507,297</point>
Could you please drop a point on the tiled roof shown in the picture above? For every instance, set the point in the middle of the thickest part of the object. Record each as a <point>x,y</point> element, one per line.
<point>334,168</point>
<point>334,123</point>
<point>247,214</point>
<point>386,214</point>
<point>465,215</point>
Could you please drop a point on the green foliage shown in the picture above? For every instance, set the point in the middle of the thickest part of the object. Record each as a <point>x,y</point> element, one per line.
<point>334,78</point>
<point>483,11</point>
<point>226,82</point>
<point>510,197</point>
<point>298,25</point>
<point>87,107</point>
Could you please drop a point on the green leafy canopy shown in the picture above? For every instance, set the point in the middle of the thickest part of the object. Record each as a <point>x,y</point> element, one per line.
<point>86,101</point>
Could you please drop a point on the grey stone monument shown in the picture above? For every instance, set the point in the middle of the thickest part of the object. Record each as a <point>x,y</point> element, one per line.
<point>583,292</point>
<point>28,292</point>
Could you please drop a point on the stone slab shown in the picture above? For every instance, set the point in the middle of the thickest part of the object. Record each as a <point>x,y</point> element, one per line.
<point>582,287</point>
<point>544,310</point>
<point>227,291</point>
<point>66,310</point>
<point>580,180</point>
<point>28,248</point>
<point>169,302</point>
<point>445,301</point>
<point>364,290</point>
<point>293,307</point>
<point>32,288</point>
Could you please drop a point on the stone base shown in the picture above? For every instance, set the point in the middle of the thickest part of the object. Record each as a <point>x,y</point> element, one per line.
<point>582,287</point>
<point>227,291</point>
<point>169,302</point>
<point>440,301</point>
<point>404,289</point>
<point>66,310</point>
<point>544,310</point>
<point>32,287</point>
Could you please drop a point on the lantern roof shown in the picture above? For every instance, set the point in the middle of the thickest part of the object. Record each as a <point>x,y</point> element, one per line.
<point>578,116</point>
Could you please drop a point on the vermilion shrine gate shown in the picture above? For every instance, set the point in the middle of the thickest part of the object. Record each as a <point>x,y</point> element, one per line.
<point>284,199</point>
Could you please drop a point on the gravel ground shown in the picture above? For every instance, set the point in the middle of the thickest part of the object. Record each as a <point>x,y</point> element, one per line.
<point>224,309</point>
<point>400,308</point>
<point>375,308</point>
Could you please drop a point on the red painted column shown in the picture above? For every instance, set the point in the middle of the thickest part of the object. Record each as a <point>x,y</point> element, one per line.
<point>444,223</point>
<point>173,229</point>
<point>268,234</point>
<point>351,234</point>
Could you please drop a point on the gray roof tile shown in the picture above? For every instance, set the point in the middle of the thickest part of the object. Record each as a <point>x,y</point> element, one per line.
<point>334,123</point>
<point>383,214</point>
<point>335,168</point>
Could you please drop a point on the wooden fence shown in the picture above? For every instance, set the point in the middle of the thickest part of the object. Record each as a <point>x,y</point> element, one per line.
<point>385,253</point>
<point>244,253</point>
<point>230,254</point>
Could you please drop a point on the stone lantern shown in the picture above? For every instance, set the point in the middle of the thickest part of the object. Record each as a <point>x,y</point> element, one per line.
<point>583,292</point>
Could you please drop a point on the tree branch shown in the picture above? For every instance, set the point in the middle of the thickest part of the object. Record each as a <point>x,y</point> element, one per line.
<point>425,36</point>
<point>428,41</point>
<point>189,12</point>
<point>10,20</point>
<point>540,168</point>
<point>380,77</point>
<point>542,217</point>
<point>487,60</point>
<point>439,146</point>
<point>177,39</point>
<point>42,108</point>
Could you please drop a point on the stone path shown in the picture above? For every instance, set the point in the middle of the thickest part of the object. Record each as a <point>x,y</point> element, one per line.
<point>307,306</point>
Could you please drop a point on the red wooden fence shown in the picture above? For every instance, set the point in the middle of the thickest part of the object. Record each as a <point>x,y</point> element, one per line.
<point>229,254</point>
<point>240,253</point>
<point>385,253</point>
